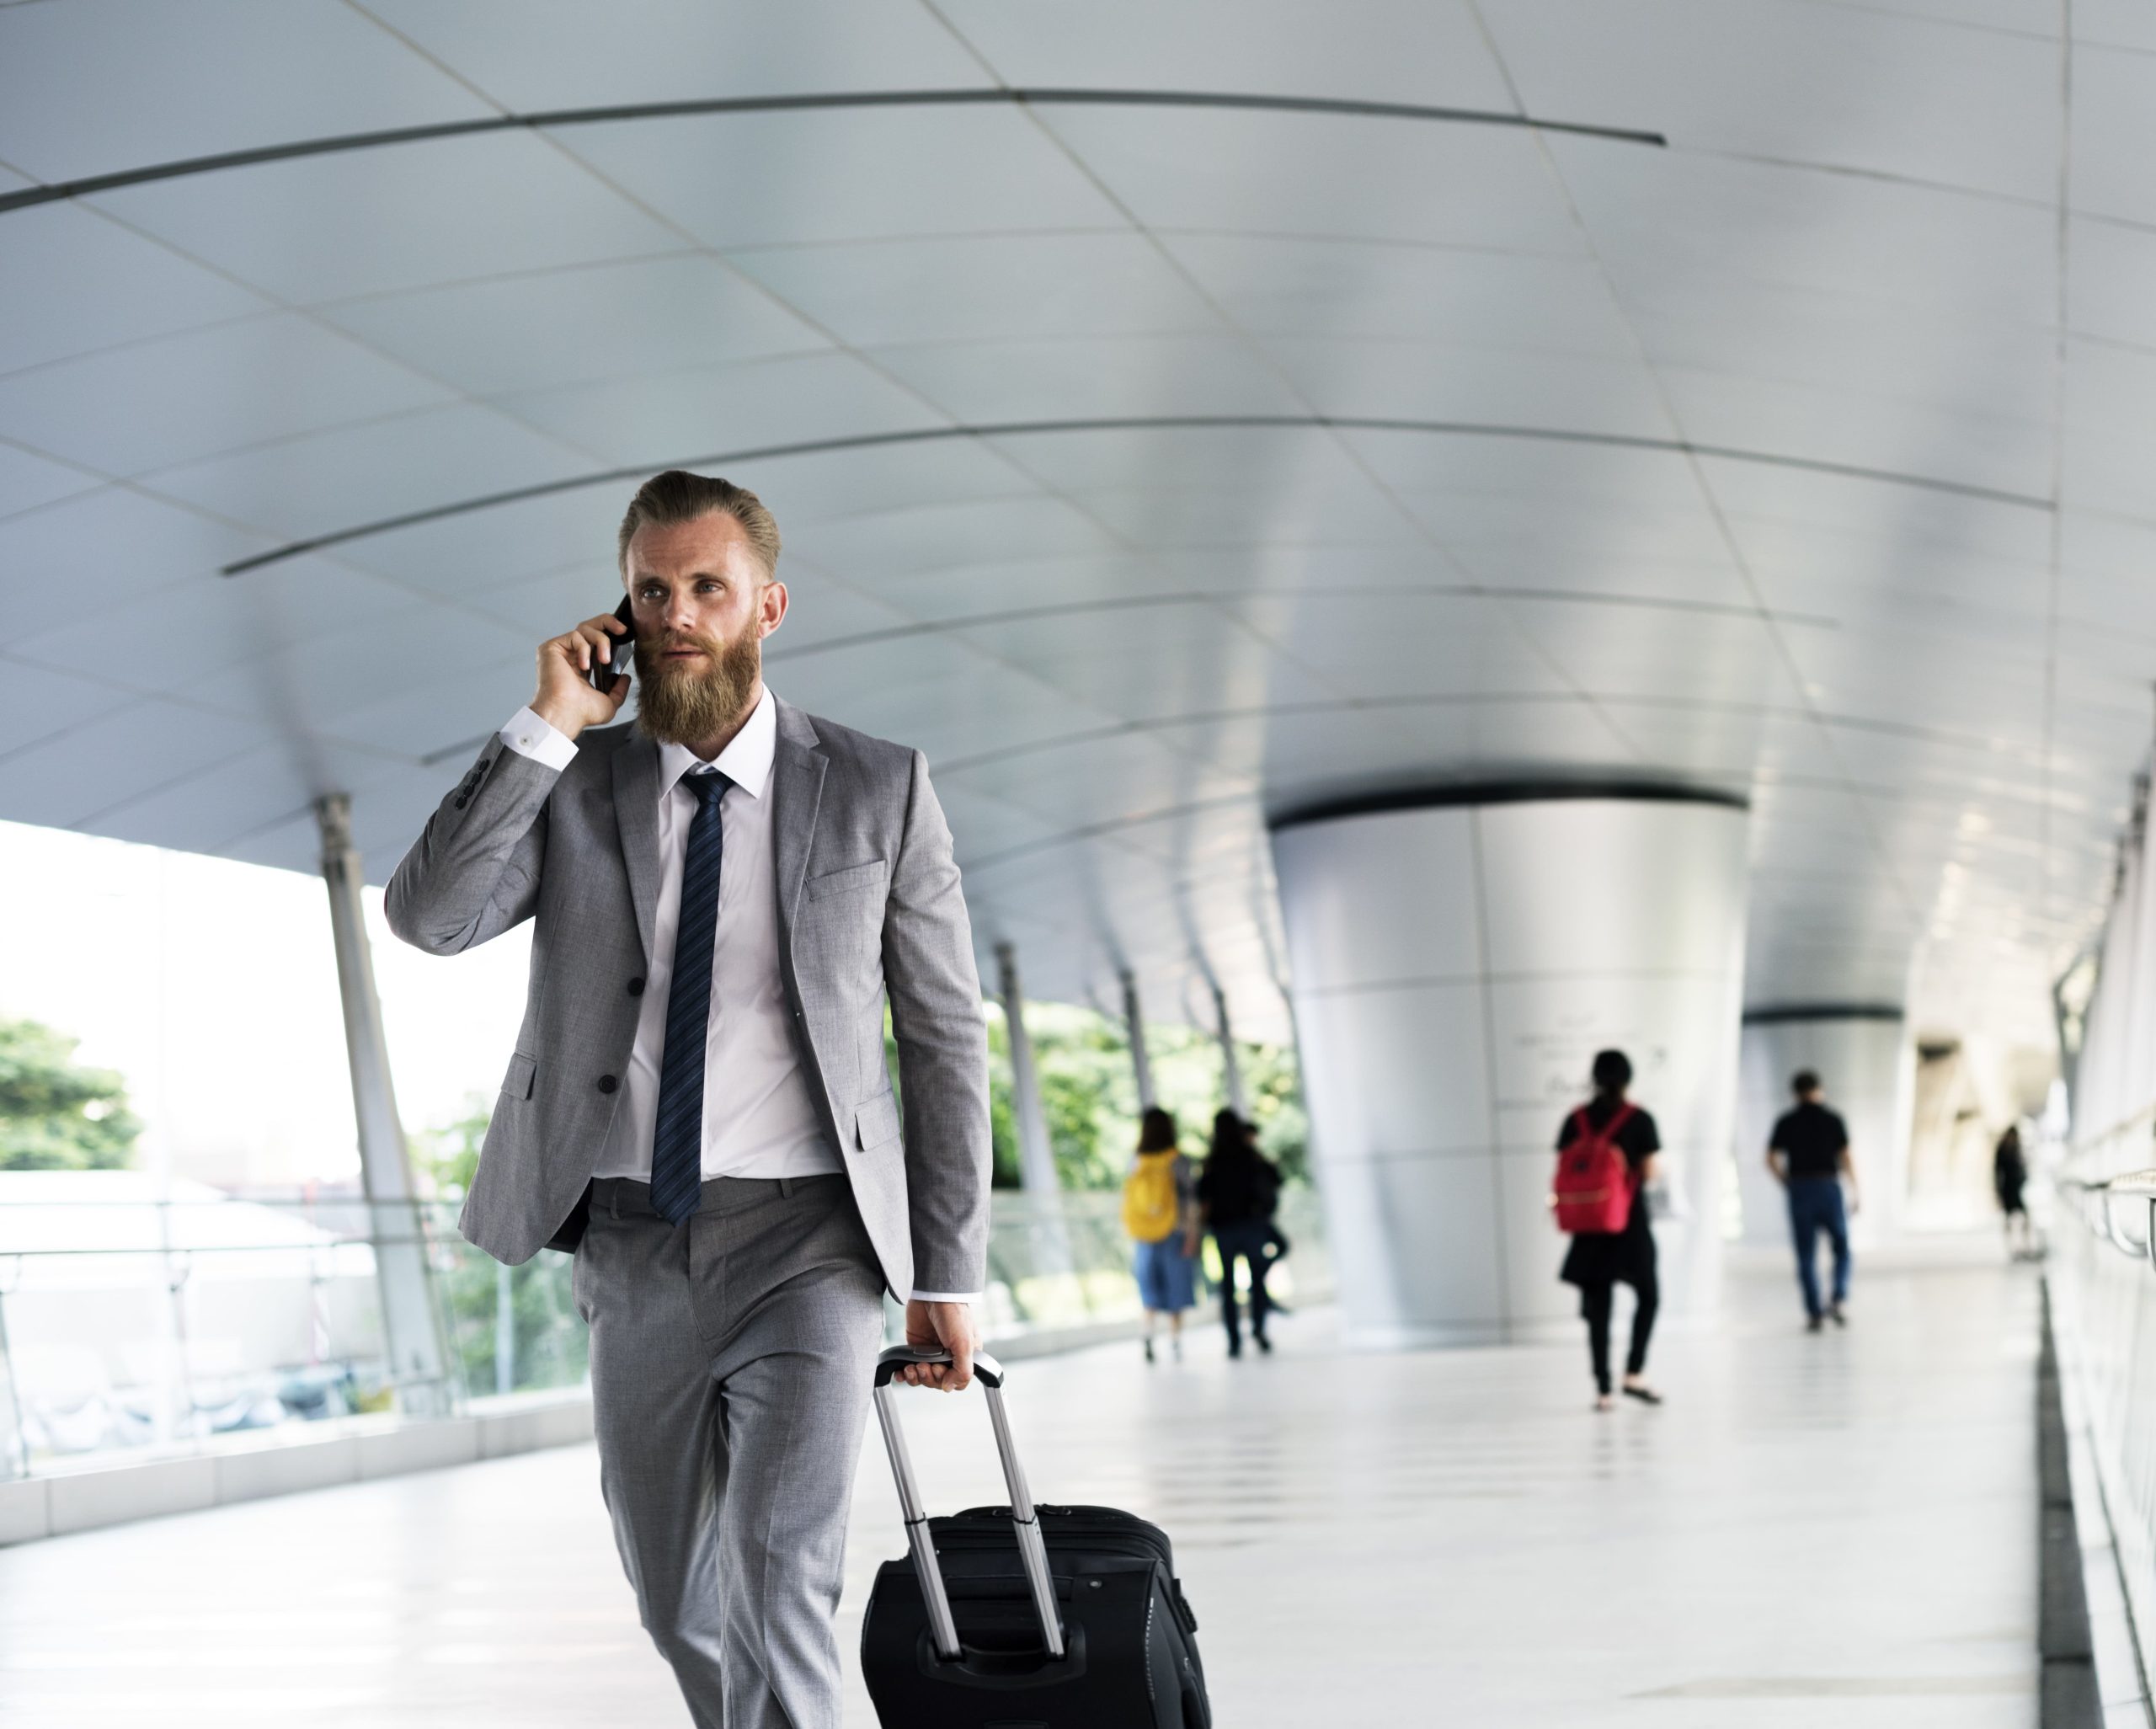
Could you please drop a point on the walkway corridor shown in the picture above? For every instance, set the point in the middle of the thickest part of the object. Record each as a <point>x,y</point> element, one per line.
<point>1842,1525</point>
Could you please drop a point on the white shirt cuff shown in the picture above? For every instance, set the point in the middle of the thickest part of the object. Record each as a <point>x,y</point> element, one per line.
<point>528,735</point>
<point>947,1296</point>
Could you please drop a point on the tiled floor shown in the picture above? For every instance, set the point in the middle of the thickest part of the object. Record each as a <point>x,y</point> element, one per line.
<point>1834,1528</point>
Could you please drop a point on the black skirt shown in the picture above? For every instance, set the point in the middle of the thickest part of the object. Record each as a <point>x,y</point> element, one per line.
<point>1623,1256</point>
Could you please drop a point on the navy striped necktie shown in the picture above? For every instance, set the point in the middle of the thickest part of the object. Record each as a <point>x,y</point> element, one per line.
<point>677,1136</point>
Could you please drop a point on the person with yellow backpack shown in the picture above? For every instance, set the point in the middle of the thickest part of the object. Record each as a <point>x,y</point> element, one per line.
<point>1159,1210</point>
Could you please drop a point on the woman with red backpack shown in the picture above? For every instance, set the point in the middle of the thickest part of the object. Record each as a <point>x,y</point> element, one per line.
<point>1606,1157</point>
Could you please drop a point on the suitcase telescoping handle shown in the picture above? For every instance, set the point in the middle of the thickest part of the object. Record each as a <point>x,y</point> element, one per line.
<point>1032,1552</point>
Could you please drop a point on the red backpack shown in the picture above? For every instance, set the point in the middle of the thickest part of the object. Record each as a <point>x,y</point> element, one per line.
<point>1592,1194</point>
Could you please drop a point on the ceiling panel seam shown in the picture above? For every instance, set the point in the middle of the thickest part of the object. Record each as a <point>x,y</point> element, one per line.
<point>275,303</point>
<point>1784,653</point>
<point>1011,96</point>
<point>1260,352</point>
<point>1230,624</point>
<point>2062,241</point>
<point>1679,704</point>
<point>763,291</point>
<point>860,357</point>
<point>1218,597</point>
<point>992,430</point>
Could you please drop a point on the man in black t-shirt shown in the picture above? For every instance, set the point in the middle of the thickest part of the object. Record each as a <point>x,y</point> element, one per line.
<point>1809,1155</point>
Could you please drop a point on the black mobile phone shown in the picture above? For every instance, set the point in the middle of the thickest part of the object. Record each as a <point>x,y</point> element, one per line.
<point>621,647</point>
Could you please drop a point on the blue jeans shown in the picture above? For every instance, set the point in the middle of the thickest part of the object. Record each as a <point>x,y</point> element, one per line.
<point>1814,1205</point>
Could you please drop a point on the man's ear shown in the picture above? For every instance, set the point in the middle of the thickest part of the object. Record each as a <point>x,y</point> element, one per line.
<point>770,605</point>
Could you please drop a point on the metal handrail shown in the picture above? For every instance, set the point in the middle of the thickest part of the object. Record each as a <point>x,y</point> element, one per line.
<point>2097,1199</point>
<point>313,1248</point>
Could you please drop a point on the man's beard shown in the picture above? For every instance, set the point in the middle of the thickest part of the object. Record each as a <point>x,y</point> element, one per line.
<point>684,705</point>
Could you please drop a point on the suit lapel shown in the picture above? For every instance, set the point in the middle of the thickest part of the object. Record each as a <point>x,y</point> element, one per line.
<point>796,794</point>
<point>636,811</point>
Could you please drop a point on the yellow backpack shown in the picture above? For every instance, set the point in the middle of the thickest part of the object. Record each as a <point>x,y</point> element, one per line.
<point>1151,1208</point>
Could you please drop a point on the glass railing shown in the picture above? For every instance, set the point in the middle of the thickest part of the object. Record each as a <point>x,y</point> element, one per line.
<point>2102,1281</point>
<point>137,1327</point>
<point>1064,1262</point>
<point>132,1324</point>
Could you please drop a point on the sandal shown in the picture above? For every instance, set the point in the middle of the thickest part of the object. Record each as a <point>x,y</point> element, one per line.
<point>1645,1395</point>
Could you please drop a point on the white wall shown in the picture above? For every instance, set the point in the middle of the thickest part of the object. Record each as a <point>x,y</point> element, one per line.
<point>1866,1063</point>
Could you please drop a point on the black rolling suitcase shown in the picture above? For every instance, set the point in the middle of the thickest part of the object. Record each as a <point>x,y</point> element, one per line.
<point>1020,1617</point>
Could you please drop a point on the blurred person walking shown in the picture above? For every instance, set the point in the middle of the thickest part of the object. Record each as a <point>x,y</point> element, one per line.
<point>1607,1153</point>
<point>1809,1155</point>
<point>1237,1192</point>
<point>1159,1210</point>
<point>2010,1175</point>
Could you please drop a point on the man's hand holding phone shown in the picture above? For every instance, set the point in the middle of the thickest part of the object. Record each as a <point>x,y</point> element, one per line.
<point>567,700</point>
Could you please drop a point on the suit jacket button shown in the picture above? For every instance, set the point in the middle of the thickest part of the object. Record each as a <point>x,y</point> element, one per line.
<point>607,1083</point>
<point>635,987</point>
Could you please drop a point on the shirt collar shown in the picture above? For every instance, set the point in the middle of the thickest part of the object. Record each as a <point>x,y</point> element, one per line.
<point>746,761</point>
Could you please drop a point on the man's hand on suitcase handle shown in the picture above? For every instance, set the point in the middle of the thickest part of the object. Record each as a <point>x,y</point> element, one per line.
<point>949,1325</point>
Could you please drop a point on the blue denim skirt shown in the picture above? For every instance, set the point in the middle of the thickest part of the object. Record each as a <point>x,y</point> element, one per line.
<point>1167,1278</point>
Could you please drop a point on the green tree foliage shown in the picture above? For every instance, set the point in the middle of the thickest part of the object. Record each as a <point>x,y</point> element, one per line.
<point>56,1114</point>
<point>1089,1093</point>
<point>448,1155</point>
<point>1274,1081</point>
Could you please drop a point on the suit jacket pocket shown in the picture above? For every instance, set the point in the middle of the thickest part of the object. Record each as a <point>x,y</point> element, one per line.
<point>517,1083</point>
<point>860,876</point>
<point>875,1121</point>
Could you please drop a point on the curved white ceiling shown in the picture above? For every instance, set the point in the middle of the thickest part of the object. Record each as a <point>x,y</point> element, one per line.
<point>1177,413</point>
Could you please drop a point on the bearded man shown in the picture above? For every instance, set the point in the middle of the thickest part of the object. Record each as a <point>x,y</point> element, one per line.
<point>723,895</point>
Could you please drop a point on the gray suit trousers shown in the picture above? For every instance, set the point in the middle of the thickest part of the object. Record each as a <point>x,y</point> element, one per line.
<point>731,1357</point>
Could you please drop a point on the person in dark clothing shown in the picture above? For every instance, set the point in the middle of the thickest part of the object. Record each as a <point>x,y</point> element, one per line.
<point>1237,1192</point>
<point>2010,1175</point>
<point>1598,1263</point>
<point>1809,1155</point>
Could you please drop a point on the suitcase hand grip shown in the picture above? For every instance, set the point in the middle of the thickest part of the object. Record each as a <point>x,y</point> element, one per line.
<point>1025,1525</point>
<point>986,1370</point>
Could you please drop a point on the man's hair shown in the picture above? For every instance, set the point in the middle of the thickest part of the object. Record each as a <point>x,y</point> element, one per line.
<point>1803,1081</point>
<point>677,496</point>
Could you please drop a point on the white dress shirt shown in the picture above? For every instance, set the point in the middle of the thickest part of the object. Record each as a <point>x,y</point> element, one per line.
<point>759,1116</point>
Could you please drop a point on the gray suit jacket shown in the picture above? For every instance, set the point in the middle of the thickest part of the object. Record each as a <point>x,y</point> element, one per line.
<point>869,903</point>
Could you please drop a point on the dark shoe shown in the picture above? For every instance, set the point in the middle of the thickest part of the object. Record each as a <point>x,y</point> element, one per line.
<point>1645,1394</point>
<point>1234,1347</point>
<point>1148,1350</point>
<point>1280,1308</point>
<point>1264,1344</point>
<point>1812,1324</point>
<point>1835,1314</point>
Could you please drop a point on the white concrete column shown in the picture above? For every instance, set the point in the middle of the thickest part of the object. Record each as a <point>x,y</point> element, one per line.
<point>505,1327</point>
<point>1141,1065</point>
<point>1231,1071</point>
<point>1035,1157</point>
<point>1048,1232</point>
<point>1457,963</point>
<point>1866,1063</point>
<point>410,1322</point>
